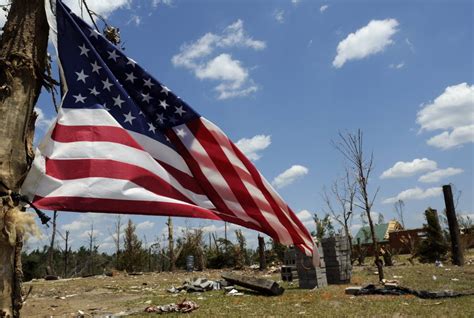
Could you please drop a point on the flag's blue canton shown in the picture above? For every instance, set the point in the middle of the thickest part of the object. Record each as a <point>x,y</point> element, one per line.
<point>99,75</point>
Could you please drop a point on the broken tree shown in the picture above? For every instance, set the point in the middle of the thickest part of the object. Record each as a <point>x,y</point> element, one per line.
<point>22,62</point>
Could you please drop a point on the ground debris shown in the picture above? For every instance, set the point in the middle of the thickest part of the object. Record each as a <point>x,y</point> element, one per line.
<point>184,307</point>
<point>371,289</point>
<point>264,286</point>
<point>197,285</point>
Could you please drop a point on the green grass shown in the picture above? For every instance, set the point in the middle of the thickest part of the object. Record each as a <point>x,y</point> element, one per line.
<point>332,302</point>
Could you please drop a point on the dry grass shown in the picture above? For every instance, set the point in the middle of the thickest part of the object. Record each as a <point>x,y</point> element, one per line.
<point>101,295</point>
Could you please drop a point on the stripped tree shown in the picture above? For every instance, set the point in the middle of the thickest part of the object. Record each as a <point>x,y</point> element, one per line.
<point>351,147</point>
<point>343,191</point>
<point>23,47</point>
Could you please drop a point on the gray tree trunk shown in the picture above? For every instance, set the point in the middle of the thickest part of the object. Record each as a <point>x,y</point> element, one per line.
<point>22,62</point>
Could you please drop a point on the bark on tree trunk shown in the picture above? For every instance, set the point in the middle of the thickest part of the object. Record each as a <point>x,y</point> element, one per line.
<point>171,245</point>
<point>22,61</point>
<point>51,246</point>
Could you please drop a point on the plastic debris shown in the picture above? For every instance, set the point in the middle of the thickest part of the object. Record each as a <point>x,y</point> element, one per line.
<point>390,282</point>
<point>434,277</point>
<point>235,292</point>
<point>184,307</point>
<point>399,290</point>
<point>438,264</point>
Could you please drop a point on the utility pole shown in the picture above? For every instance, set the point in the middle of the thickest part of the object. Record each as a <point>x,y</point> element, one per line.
<point>457,254</point>
<point>23,48</point>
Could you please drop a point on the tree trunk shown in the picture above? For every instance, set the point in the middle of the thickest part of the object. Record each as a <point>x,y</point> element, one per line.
<point>171,245</point>
<point>456,249</point>
<point>22,61</point>
<point>66,252</point>
<point>349,238</point>
<point>261,253</point>
<point>51,246</point>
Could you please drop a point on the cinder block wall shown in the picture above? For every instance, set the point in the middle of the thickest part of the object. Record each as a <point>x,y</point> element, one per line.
<point>337,257</point>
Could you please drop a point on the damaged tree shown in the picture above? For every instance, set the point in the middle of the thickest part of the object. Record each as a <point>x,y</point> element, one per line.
<point>344,195</point>
<point>22,62</point>
<point>351,146</point>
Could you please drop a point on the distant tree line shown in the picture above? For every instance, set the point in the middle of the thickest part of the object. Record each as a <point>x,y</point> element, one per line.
<point>135,255</point>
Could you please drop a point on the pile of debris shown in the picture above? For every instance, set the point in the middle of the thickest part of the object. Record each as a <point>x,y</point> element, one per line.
<point>198,285</point>
<point>260,285</point>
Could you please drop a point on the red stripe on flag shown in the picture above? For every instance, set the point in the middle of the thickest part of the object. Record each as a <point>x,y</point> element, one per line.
<point>117,135</point>
<point>184,179</point>
<point>78,204</point>
<point>227,170</point>
<point>272,200</point>
<point>226,213</point>
<point>103,168</point>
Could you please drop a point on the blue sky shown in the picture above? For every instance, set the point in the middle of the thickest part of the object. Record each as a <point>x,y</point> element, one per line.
<point>282,78</point>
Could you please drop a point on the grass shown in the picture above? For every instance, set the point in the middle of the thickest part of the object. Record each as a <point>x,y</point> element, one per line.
<point>97,296</point>
<point>332,302</point>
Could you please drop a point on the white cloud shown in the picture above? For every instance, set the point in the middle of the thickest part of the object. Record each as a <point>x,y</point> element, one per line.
<point>407,169</point>
<point>279,16</point>
<point>135,19</point>
<point>453,108</point>
<point>453,112</point>
<point>75,225</point>
<point>397,66</point>
<point>289,176</point>
<point>233,76</point>
<point>87,234</point>
<point>410,45</point>
<point>414,194</point>
<point>251,147</point>
<point>146,225</point>
<point>371,39</point>
<point>102,7</point>
<point>43,122</point>
<point>224,68</point>
<point>440,174</point>
<point>323,8</point>
<point>295,2</point>
<point>155,3</point>
<point>304,215</point>
<point>456,137</point>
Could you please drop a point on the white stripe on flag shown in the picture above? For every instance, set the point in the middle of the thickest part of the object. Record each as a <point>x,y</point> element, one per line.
<point>100,188</point>
<point>211,172</point>
<point>119,153</point>
<point>101,117</point>
<point>252,188</point>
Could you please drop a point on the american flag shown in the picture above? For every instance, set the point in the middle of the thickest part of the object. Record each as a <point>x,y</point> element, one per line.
<point>125,143</point>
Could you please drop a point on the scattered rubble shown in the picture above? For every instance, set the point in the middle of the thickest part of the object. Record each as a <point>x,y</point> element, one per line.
<point>197,285</point>
<point>184,307</point>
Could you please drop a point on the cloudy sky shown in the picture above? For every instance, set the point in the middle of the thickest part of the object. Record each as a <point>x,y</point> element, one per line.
<point>282,78</point>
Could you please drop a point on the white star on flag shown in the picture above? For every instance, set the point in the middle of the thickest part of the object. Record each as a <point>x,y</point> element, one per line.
<point>81,76</point>
<point>129,118</point>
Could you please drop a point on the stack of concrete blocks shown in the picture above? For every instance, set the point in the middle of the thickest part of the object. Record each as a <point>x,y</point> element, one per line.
<point>310,277</point>
<point>288,270</point>
<point>337,257</point>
